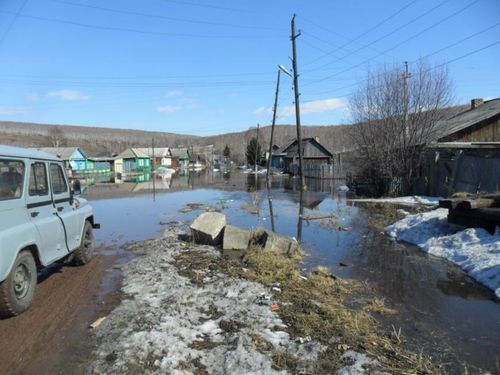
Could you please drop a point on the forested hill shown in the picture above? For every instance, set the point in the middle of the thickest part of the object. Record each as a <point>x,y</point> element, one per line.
<point>96,139</point>
<point>91,139</point>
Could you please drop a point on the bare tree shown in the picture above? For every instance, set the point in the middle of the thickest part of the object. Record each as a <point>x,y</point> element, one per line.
<point>56,136</point>
<point>395,116</point>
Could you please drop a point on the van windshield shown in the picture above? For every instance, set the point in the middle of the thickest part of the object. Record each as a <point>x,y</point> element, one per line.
<point>11,179</point>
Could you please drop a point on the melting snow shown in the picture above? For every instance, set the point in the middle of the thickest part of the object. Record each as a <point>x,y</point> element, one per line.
<point>475,250</point>
<point>157,327</point>
<point>413,200</point>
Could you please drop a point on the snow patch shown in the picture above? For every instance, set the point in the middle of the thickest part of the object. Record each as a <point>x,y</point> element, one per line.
<point>474,250</point>
<point>166,324</point>
<point>413,200</point>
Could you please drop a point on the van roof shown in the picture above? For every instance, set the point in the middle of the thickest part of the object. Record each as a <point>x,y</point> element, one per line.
<point>20,152</point>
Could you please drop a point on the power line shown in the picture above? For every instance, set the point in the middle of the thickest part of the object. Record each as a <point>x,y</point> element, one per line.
<point>209,6</point>
<point>135,85</point>
<point>360,35</point>
<point>400,43</point>
<point>14,19</point>
<point>138,31</point>
<point>428,70</point>
<point>159,16</point>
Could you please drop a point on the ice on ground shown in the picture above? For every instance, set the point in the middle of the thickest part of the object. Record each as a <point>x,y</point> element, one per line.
<point>475,250</point>
<point>413,200</point>
<point>359,364</point>
<point>166,324</point>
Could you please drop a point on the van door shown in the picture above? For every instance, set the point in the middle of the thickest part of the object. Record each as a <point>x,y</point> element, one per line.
<point>42,213</point>
<point>66,211</point>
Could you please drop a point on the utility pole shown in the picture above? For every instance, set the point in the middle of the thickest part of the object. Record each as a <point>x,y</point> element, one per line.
<point>257,149</point>
<point>406,100</point>
<point>275,108</point>
<point>297,105</point>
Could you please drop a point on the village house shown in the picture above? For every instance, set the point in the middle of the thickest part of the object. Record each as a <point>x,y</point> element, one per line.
<point>466,154</point>
<point>318,161</point>
<point>131,161</point>
<point>160,156</point>
<point>201,157</point>
<point>277,157</point>
<point>75,159</point>
<point>180,157</point>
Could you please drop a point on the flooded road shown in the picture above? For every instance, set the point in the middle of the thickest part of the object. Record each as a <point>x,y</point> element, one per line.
<point>440,309</point>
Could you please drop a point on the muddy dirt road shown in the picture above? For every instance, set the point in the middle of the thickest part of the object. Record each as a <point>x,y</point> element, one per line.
<point>53,337</point>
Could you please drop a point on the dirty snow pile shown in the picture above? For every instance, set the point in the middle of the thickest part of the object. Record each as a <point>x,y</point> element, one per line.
<point>413,200</point>
<point>475,250</point>
<point>167,324</point>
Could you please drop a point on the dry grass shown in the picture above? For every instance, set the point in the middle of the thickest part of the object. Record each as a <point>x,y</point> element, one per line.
<point>319,307</point>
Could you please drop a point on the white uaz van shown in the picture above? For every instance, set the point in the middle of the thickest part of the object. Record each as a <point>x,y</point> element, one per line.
<point>40,223</point>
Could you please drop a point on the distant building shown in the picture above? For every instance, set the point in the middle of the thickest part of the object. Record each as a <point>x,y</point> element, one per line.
<point>318,161</point>
<point>180,157</point>
<point>160,156</point>
<point>132,160</point>
<point>75,159</point>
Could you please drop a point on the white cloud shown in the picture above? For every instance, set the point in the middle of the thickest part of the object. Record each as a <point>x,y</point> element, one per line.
<point>32,96</point>
<point>168,108</point>
<point>68,95</point>
<point>174,94</point>
<point>263,111</point>
<point>315,106</point>
<point>10,111</point>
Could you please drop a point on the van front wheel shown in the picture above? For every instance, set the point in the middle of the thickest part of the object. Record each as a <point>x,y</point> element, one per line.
<point>17,291</point>
<point>85,252</point>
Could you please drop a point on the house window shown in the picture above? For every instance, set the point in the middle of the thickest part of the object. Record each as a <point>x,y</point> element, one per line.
<point>11,179</point>
<point>38,179</point>
<point>57,179</point>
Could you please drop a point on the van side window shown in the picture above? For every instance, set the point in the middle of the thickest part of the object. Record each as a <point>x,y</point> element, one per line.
<point>11,179</point>
<point>57,179</point>
<point>38,179</point>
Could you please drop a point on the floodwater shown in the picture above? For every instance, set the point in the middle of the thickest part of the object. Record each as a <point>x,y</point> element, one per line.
<point>440,309</point>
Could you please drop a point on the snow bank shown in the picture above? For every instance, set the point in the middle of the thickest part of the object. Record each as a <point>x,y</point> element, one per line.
<point>413,200</point>
<point>475,250</point>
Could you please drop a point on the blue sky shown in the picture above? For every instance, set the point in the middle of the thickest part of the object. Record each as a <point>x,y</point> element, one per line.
<point>208,67</point>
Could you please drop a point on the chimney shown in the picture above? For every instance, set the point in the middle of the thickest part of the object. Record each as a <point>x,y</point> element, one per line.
<point>316,139</point>
<point>474,103</point>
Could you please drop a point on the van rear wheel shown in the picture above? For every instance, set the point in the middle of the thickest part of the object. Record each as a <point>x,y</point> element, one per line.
<point>85,252</point>
<point>18,290</point>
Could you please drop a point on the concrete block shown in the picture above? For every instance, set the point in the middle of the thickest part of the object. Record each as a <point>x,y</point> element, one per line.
<point>208,228</point>
<point>236,238</point>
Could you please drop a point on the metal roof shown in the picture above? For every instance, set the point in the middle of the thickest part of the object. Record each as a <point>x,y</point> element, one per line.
<point>20,152</point>
<point>64,153</point>
<point>158,151</point>
<point>132,153</point>
<point>468,118</point>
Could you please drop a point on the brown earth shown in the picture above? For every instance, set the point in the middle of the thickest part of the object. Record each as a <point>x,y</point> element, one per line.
<point>54,337</point>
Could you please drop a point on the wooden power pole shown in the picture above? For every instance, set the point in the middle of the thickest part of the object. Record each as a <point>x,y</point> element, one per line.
<point>297,105</point>
<point>275,108</point>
